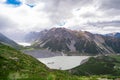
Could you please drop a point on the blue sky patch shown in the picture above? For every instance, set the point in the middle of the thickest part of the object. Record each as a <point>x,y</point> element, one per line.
<point>62,23</point>
<point>30,5</point>
<point>13,2</point>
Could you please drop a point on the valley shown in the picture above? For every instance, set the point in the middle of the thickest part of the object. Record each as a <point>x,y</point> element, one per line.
<point>52,56</point>
<point>59,40</point>
<point>56,60</point>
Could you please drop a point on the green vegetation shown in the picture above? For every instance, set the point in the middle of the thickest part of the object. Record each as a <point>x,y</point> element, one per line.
<point>15,65</point>
<point>101,65</point>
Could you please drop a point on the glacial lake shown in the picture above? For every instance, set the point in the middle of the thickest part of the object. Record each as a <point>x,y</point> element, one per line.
<point>55,60</point>
<point>63,62</point>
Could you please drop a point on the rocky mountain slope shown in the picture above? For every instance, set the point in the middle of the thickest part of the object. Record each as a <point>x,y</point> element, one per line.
<point>62,39</point>
<point>7,41</point>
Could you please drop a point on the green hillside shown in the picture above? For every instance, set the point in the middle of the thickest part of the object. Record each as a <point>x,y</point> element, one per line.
<point>101,65</point>
<point>15,65</point>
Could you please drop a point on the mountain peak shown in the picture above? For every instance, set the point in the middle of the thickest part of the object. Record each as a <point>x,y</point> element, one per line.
<point>62,39</point>
<point>60,29</point>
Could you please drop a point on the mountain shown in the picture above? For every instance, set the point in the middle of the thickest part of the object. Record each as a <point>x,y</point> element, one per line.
<point>116,35</point>
<point>66,40</point>
<point>100,65</point>
<point>7,41</point>
<point>56,39</point>
<point>15,65</point>
<point>32,36</point>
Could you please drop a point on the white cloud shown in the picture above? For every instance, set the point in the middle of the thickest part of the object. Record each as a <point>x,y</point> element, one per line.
<point>25,16</point>
<point>90,15</point>
<point>2,1</point>
<point>22,19</point>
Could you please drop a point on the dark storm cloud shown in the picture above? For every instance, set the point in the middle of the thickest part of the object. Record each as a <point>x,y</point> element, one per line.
<point>110,7</point>
<point>59,10</point>
<point>106,24</point>
<point>110,4</point>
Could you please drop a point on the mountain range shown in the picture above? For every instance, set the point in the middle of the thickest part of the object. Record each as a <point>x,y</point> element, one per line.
<point>116,34</point>
<point>15,65</point>
<point>66,40</point>
<point>5,40</point>
<point>32,36</point>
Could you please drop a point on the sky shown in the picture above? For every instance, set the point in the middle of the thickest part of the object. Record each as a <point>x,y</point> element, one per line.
<point>18,17</point>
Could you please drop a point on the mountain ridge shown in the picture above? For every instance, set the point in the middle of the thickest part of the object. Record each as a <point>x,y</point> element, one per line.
<point>62,39</point>
<point>5,40</point>
<point>116,34</point>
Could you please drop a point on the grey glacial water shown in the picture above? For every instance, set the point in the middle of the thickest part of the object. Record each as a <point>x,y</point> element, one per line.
<point>63,62</point>
<point>57,60</point>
